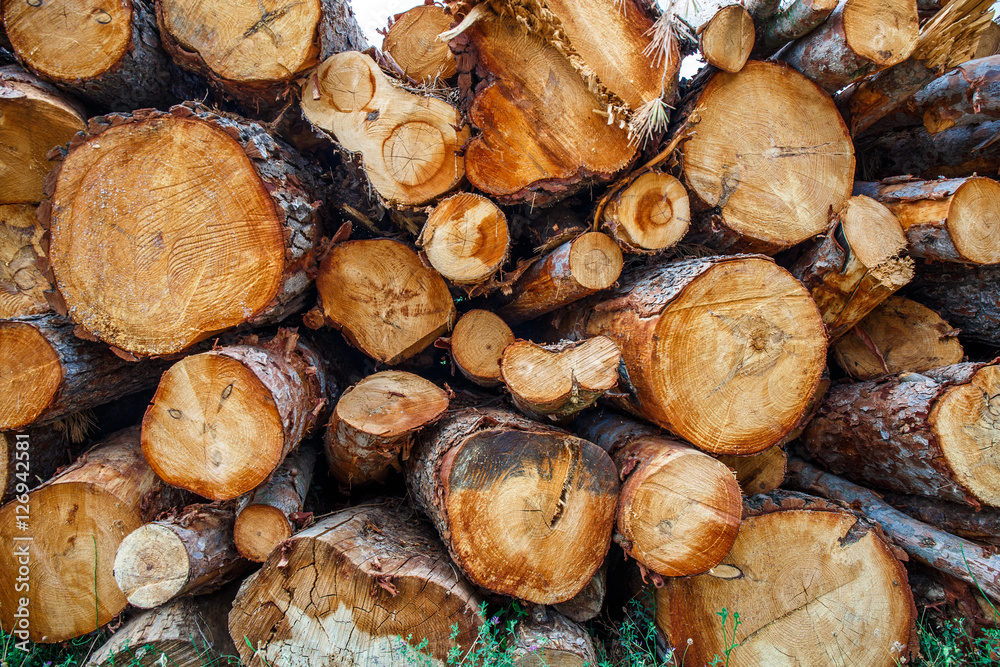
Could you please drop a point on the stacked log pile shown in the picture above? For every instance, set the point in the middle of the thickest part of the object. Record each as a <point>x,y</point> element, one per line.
<point>474,318</point>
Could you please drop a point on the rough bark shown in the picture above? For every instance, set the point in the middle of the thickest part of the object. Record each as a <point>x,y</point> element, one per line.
<point>727,39</point>
<point>477,345</point>
<point>796,20</point>
<point>650,215</point>
<point>966,296</point>
<point>554,642</point>
<point>30,456</point>
<point>412,42</point>
<point>465,238</point>
<point>23,285</point>
<point>964,150</point>
<point>980,525</point>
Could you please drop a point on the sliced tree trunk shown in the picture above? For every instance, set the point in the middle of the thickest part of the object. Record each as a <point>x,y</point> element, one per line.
<point>223,420</point>
<point>386,580</point>
<point>383,299</point>
<point>900,335</point>
<point>410,144</point>
<point>557,381</point>
<point>759,473</point>
<point>465,238</point>
<point>727,39</point>
<point>266,516</point>
<point>253,53</point>
<point>219,219</point>
<point>30,457</point>
<point>856,265</point>
<point>524,509</point>
<point>801,568</point>
<point>981,525</point>
<point>700,360</point>
<point>989,41</point>
<point>477,345</point>
<point>773,187</point>
<point>106,52</point>
<point>47,372</point>
<point>964,295</point>
<point>72,530</point>
<point>587,604</point>
<point>796,20</point>
<point>190,553</point>
<point>650,215</point>
<point>679,509</point>
<point>23,283</point>
<point>374,424</point>
<point>554,642</point>
<point>590,262</point>
<point>961,151</point>
<point>412,42</point>
<point>928,434</point>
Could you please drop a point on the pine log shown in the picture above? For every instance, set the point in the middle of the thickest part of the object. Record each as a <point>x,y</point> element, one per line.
<point>186,554</point>
<point>210,223</point>
<point>477,345</point>
<point>727,39</point>
<point>956,220</point>
<point>47,372</point>
<point>964,150</point>
<point>679,509</point>
<point>410,144</point>
<point>465,238</point>
<point>108,53</point>
<point>385,580</point>
<point>374,424</point>
<point>34,118</point>
<point>412,42</point>
<point>925,543</point>
<point>554,642</point>
<point>75,523</point>
<point>384,300</point>
<point>928,434</point>
<point>801,568</point>
<point>524,509</point>
<point>856,265</point>
<point>23,285</point>
<point>981,525</point>
<point>860,37</point>
<point>966,296</point>
<point>254,52</point>
<point>264,517</point>
<point>796,20</point>
<point>772,176</point>
<point>557,381</point>
<point>650,215</point>
<point>900,335</point>
<point>29,457</point>
<point>726,352</point>
<point>989,41</point>
<point>759,473</point>
<point>586,264</point>
<point>587,604</point>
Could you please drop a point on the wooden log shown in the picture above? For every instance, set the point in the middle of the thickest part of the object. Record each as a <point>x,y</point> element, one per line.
<point>796,20</point>
<point>961,151</point>
<point>554,641</point>
<point>956,220</point>
<point>764,203</point>
<point>856,265</point>
<point>899,335</point>
<point>106,53</point>
<point>383,299</point>
<point>47,372</point>
<point>23,285</point>
<point>477,345</point>
<point>981,525</point>
<point>374,424</point>
<point>265,516</point>
<point>679,509</point>
<point>650,215</point>
<point>860,37</point>
<point>579,267</point>
<point>186,554</point>
<point>989,41</point>
<point>727,39</point>
<point>927,434</point>
<point>410,144</point>
<point>465,238</point>
<point>254,54</point>
<point>29,457</point>
<point>932,546</point>
<point>557,381</point>
<point>759,473</point>
<point>587,604</point>
<point>222,421</point>
<point>219,220</point>
<point>800,568</point>
<point>412,42</point>
<point>74,524</point>
<point>386,581</point>
<point>535,522</point>
<point>965,295</point>
<point>702,364</point>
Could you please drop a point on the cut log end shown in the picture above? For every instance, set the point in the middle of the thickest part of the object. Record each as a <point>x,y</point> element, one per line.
<point>477,345</point>
<point>974,220</point>
<point>31,374</point>
<point>883,32</point>
<point>728,38</point>
<point>595,260</point>
<point>761,473</point>
<point>151,566</point>
<point>651,214</point>
<point>872,231</point>
<point>258,529</point>
<point>391,403</point>
<point>22,284</point>
<point>466,238</point>
<point>412,42</point>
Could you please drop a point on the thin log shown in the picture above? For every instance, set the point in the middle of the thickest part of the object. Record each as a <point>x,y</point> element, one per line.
<point>477,345</point>
<point>796,20</point>
<point>727,39</point>
<point>465,238</point>
<point>412,42</point>
<point>961,151</point>
<point>650,215</point>
<point>978,524</point>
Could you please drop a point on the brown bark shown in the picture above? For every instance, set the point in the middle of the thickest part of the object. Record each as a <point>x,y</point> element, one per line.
<point>981,525</point>
<point>964,150</point>
<point>477,345</point>
<point>465,238</point>
<point>29,457</point>
<point>727,39</point>
<point>23,285</point>
<point>554,642</point>
<point>651,214</point>
<point>796,20</point>
<point>412,42</point>
<point>383,578</point>
<point>964,295</point>
<point>535,522</point>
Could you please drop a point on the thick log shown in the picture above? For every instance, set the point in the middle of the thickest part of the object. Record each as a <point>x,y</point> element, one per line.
<point>524,509</point>
<point>966,296</point>
<point>928,434</point>
<point>856,265</point>
<point>956,220</point>
<point>759,473</point>
<point>477,345</point>
<point>70,533</point>
<point>29,457</point>
<point>727,39</point>
<point>964,150</point>
<point>385,579</point>
<point>187,554</point>
<point>265,516</point>
<point>699,361</point>
<point>218,218</point>
<point>23,285</point>
<point>900,335</point>
<point>465,238</point>
<point>679,509</point>
<point>650,215</point>
<point>801,568</point>
<point>773,186</point>
<point>796,20</point>
<point>374,423</point>
<point>383,299</point>
<point>412,42</point>
<point>556,641</point>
